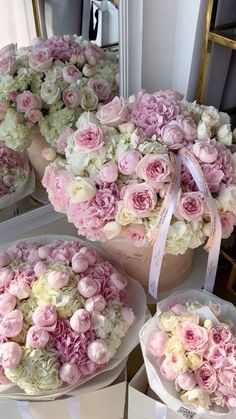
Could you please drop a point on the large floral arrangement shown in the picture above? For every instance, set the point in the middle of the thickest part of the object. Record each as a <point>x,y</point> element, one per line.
<point>63,314</point>
<point>48,84</point>
<point>113,171</point>
<point>191,346</point>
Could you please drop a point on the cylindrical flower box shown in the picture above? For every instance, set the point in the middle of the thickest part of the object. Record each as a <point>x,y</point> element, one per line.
<point>136,262</point>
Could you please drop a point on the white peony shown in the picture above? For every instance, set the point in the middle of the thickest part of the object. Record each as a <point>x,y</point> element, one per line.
<point>210,116</point>
<point>224,134</point>
<point>226,199</point>
<point>203,131</point>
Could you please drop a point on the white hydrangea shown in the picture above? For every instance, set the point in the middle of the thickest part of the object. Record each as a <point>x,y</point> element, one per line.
<point>8,84</point>
<point>179,238</point>
<point>16,135</point>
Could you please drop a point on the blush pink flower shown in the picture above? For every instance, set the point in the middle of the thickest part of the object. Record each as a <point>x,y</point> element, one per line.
<point>193,337</point>
<point>61,142</point>
<point>8,63</point>
<point>140,199</point>
<point>128,162</point>
<point>28,101</point>
<point>206,377</point>
<point>71,73</point>
<point>220,334</point>
<point>230,350</point>
<point>205,152</point>
<point>136,233</point>
<point>89,137</point>
<point>172,135</point>
<point>57,184</point>
<point>216,357</point>
<point>109,173</point>
<point>101,87</point>
<point>154,169</point>
<point>190,206</point>
<point>114,113</point>
<point>40,59</point>
<point>93,53</point>
<point>71,97</point>
<point>188,127</point>
<point>228,221</point>
<point>33,115</point>
<point>157,342</point>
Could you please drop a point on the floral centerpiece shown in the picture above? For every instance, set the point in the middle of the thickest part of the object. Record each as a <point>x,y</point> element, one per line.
<point>189,352</point>
<point>47,85</point>
<point>63,314</point>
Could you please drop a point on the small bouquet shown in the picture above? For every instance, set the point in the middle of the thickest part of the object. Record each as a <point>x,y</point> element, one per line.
<point>189,352</point>
<point>16,178</point>
<point>63,314</point>
<point>47,85</point>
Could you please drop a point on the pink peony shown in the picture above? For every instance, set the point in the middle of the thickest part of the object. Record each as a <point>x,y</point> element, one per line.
<point>113,113</point>
<point>37,337</point>
<point>190,206</point>
<point>40,59</point>
<point>71,97</point>
<point>205,152</point>
<point>28,101</point>
<point>101,87</point>
<point>89,137</point>
<point>109,173</point>
<point>140,199</point>
<point>8,63</point>
<point>128,162</point>
<point>172,135</point>
<point>167,372</point>
<point>11,324</point>
<point>70,73</point>
<point>154,169</point>
<point>193,337</point>
<point>188,127</point>
<point>45,315</point>
<point>206,377</point>
<point>228,221</point>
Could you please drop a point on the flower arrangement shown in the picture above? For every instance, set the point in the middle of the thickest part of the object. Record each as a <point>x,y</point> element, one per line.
<point>47,85</point>
<point>112,173</point>
<point>63,314</point>
<point>191,346</point>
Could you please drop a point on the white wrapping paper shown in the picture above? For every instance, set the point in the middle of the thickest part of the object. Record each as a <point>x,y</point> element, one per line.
<point>136,299</point>
<point>166,389</point>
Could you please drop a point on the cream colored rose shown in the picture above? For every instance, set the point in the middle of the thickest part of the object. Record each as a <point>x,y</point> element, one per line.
<point>226,199</point>
<point>208,324</point>
<point>203,131</point>
<point>224,134</point>
<point>82,189</point>
<point>197,396</point>
<point>112,229</point>
<point>89,100</point>
<point>168,321</point>
<point>194,360</point>
<point>193,318</point>
<point>210,117</point>
<point>178,363</point>
<point>174,346</point>
<point>124,217</point>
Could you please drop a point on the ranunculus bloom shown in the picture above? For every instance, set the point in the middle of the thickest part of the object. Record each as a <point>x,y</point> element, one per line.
<point>206,377</point>
<point>205,152</point>
<point>113,113</point>
<point>190,206</point>
<point>154,169</point>
<point>8,59</point>
<point>228,222</point>
<point>27,101</point>
<point>220,334</point>
<point>140,199</point>
<point>193,337</point>
<point>101,87</point>
<point>172,135</point>
<point>89,137</point>
<point>128,162</point>
<point>71,97</point>
<point>40,59</point>
<point>70,73</point>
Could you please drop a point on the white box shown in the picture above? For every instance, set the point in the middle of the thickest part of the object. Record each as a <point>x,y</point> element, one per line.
<point>107,33</point>
<point>106,403</point>
<point>143,406</point>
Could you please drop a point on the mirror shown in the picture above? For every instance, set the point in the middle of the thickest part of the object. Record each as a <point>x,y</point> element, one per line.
<point>94,20</point>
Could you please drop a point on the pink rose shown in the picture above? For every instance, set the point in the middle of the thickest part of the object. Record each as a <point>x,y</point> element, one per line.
<point>113,113</point>
<point>89,137</point>
<point>8,59</point>
<point>205,152</point>
<point>40,59</point>
<point>33,115</point>
<point>71,74</point>
<point>185,381</point>
<point>93,53</point>
<point>109,173</point>
<point>172,135</point>
<point>230,350</point>
<point>101,87</point>
<point>128,162</point>
<point>193,337</point>
<point>167,372</point>
<point>190,206</point>
<point>136,233</point>
<point>220,334</point>
<point>27,101</point>
<point>154,169</point>
<point>140,199</point>
<point>71,97</point>
<point>61,143</point>
<point>227,380</point>
<point>206,377</point>
<point>57,184</point>
<point>157,342</point>
<point>216,357</point>
<point>228,222</point>
<point>188,127</point>
<point>3,108</point>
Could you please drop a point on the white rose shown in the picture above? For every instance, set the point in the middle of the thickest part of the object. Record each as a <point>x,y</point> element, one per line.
<point>210,116</point>
<point>112,229</point>
<point>50,92</point>
<point>224,134</point>
<point>227,199</point>
<point>167,321</point>
<point>197,396</point>
<point>81,190</point>
<point>203,131</point>
<point>124,217</point>
<point>86,117</point>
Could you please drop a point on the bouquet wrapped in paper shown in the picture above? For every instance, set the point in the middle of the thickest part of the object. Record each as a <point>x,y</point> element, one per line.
<point>189,353</point>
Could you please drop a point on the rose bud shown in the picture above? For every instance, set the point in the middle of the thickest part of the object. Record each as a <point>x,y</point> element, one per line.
<point>4,259</point>
<point>88,287</point>
<point>57,280</point>
<point>10,354</point>
<point>128,315</point>
<point>95,303</point>
<point>69,373</point>
<point>80,321</point>
<point>79,263</point>
<point>7,303</point>
<point>6,275</point>
<point>20,290</point>
<point>118,280</point>
<point>45,315</point>
<point>156,342</point>
<point>11,324</point>
<point>98,351</point>
<point>37,337</point>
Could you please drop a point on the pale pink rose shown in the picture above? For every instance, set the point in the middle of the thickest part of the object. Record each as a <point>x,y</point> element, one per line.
<point>220,334</point>
<point>114,113</point>
<point>93,53</point>
<point>230,350</point>
<point>3,108</point>
<point>193,337</point>
<point>61,143</point>
<point>40,59</point>
<point>167,372</point>
<point>172,135</point>
<point>89,137</point>
<point>156,342</point>
<point>140,199</point>
<point>128,162</point>
<point>227,380</point>
<point>228,221</point>
<point>216,357</point>
<point>109,173</point>
<point>190,206</point>
<point>206,377</point>
<point>71,97</point>
<point>88,70</point>
<point>8,59</point>
<point>188,127</point>
<point>71,74</point>
<point>185,381</point>
<point>33,115</point>
<point>27,101</point>
<point>101,87</point>
<point>60,191</point>
<point>154,169</point>
<point>136,233</point>
<point>205,152</point>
